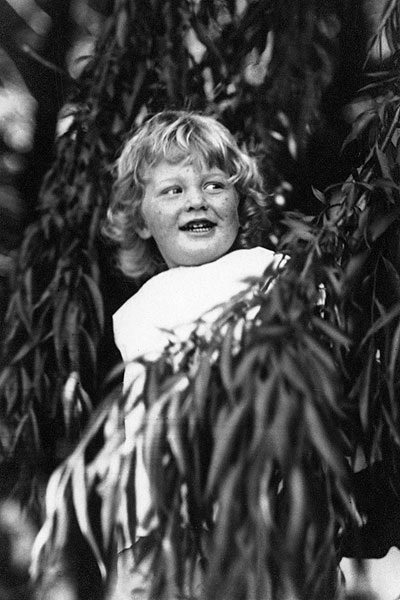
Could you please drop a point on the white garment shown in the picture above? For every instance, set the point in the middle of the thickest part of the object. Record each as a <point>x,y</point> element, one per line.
<point>166,309</point>
<point>182,295</point>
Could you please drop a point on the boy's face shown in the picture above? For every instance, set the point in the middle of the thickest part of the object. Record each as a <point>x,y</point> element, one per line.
<point>191,211</point>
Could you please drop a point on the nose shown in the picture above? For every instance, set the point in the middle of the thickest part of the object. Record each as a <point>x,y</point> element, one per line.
<point>196,199</point>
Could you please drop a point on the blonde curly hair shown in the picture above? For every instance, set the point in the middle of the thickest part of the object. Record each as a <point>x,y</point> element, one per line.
<point>173,136</point>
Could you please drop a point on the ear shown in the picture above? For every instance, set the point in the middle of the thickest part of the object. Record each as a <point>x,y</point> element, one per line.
<point>143,231</point>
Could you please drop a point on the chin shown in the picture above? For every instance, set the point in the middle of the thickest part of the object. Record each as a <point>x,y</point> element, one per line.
<point>203,259</point>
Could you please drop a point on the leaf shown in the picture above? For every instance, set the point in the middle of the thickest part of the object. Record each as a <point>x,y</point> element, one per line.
<point>39,367</point>
<point>382,322</point>
<point>354,267</point>
<point>72,334</point>
<point>69,398</point>
<point>297,507</point>
<point>91,350</point>
<point>381,224</point>
<point>97,301</point>
<point>359,125</point>
<point>321,434</point>
<point>23,351</point>
<point>383,163</point>
<point>334,334</point>
<point>225,361</point>
<point>393,372</point>
<point>318,194</point>
<point>12,393</point>
<point>110,498</point>
<point>392,275</point>
<point>22,311</point>
<point>201,381</point>
<point>5,374</point>
<point>62,302</point>
<point>319,352</point>
<point>226,443</point>
<point>264,402</point>
<point>80,501</point>
<point>392,426</point>
<point>154,452</point>
<point>35,429</point>
<point>364,395</point>
<point>19,431</point>
<point>247,363</point>
<point>122,29</point>
<point>175,434</point>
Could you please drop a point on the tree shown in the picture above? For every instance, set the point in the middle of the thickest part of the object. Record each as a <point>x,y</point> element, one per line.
<point>264,68</point>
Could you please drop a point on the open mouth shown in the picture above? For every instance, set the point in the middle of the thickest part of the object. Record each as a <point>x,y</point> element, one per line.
<point>198,226</point>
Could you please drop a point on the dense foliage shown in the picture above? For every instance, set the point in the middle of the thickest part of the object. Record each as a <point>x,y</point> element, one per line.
<point>310,391</point>
<point>55,316</point>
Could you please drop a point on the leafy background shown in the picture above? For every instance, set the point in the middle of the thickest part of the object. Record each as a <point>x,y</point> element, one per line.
<point>284,76</point>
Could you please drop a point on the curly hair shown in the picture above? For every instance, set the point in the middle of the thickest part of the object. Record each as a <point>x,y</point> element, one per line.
<point>173,136</point>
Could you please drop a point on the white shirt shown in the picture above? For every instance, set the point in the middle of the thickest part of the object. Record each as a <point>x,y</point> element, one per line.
<point>176,298</point>
<point>167,308</point>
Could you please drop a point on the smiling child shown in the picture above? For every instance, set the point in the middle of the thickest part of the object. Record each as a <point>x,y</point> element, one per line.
<point>189,215</point>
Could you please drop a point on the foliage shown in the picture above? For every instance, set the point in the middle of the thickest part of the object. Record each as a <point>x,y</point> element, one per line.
<point>268,416</point>
<point>55,321</point>
<point>252,426</point>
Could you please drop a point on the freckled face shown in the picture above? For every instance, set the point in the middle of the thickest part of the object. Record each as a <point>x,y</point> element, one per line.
<point>191,211</point>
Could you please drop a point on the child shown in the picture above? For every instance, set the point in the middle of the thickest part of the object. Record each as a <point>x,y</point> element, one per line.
<point>185,196</point>
<point>188,214</point>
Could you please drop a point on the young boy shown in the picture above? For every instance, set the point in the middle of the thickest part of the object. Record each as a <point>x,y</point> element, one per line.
<point>186,196</point>
<point>189,215</point>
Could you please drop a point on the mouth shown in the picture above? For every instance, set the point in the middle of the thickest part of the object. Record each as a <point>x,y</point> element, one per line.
<point>198,226</point>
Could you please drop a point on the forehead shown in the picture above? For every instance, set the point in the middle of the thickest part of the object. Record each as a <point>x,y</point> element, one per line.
<point>178,150</point>
<point>166,169</point>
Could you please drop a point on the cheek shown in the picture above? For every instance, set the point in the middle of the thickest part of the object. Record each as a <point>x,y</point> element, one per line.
<point>158,225</point>
<point>150,215</point>
<point>230,209</point>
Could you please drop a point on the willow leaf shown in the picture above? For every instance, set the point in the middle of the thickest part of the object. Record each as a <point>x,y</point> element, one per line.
<point>334,334</point>
<point>5,374</point>
<point>59,320</point>
<point>264,402</point>
<point>359,125</point>
<point>200,384</point>
<point>226,356</point>
<point>297,507</point>
<point>364,395</point>
<point>154,451</point>
<point>23,352</point>
<point>89,345</point>
<point>249,361</point>
<point>80,500</point>
<point>23,311</point>
<point>394,355</point>
<point>379,226</point>
<point>228,433</point>
<point>72,333</point>
<point>175,435</point>
<point>321,434</point>
<point>11,392</point>
<point>19,431</point>
<point>35,428</point>
<point>392,426</point>
<point>97,301</point>
<point>383,321</point>
<point>110,498</point>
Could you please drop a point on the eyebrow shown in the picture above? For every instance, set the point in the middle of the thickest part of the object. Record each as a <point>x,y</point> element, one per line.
<point>178,178</point>
<point>168,180</point>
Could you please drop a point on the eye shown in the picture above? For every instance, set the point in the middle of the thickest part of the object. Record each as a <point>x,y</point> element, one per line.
<point>214,186</point>
<point>173,190</point>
